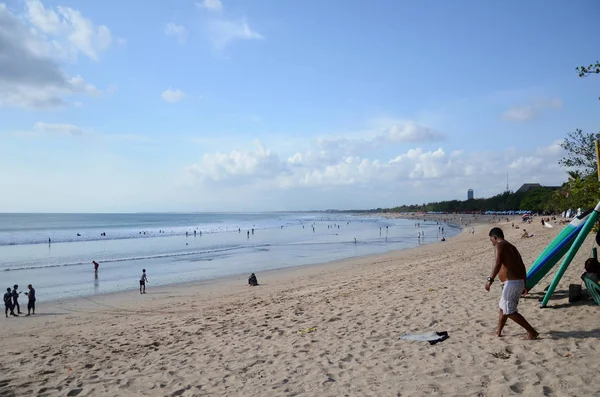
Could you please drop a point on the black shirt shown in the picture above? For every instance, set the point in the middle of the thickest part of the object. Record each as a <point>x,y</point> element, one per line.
<point>7,298</point>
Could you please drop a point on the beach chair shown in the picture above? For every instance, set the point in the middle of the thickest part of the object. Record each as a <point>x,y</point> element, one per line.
<point>593,289</point>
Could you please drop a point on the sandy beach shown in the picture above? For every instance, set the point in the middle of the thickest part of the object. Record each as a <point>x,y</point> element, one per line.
<point>225,338</point>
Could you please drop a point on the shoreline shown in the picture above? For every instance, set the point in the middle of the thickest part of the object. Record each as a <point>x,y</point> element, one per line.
<point>242,277</point>
<point>169,278</point>
<point>326,329</point>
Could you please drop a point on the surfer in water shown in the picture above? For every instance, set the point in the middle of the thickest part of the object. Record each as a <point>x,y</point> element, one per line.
<point>510,269</point>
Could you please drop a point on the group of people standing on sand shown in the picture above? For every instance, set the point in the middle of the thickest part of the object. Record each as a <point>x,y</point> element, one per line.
<point>11,301</point>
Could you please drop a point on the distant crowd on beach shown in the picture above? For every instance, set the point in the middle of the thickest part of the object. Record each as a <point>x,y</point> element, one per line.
<point>11,301</point>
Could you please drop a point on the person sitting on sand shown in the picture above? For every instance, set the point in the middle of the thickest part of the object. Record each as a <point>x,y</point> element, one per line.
<point>592,269</point>
<point>510,269</point>
<point>526,234</point>
<point>252,281</point>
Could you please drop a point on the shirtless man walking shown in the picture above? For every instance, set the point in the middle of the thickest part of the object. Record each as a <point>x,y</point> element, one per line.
<point>510,269</point>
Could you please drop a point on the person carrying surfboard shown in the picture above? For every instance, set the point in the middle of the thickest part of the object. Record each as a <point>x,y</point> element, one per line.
<point>510,269</point>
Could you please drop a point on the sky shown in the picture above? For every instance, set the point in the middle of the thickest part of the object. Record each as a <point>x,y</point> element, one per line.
<point>236,105</point>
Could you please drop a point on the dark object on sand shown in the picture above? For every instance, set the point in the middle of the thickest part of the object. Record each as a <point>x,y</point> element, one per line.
<point>252,280</point>
<point>574,293</point>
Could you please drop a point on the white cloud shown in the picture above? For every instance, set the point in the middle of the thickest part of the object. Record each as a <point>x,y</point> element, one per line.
<point>531,111</point>
<point>49,130</point>
<point>411,132</point>
<point>210,5</point>
<point>173,96</point>
<point>410,176</point>
<point>30,76</point>
<point>65,130</point>
<point>257,177</point>
<point>525,162</point>
<point>554,149</point>
<point>79,85</point>
<point>520,113</point>
<point>223,32</point>
<point>237,166</point>
<point>326,150</point>
<point>68,31</point>
<point>112,89</point>
<point>177,31</point>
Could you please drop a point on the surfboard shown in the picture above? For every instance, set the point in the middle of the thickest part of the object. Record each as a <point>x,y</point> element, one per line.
<point>540,270</point>
<point>562,235</point>
<point>421,337</point>
<point>555,250</point>
<point>431,337</point>
<point>587,227</point>
<point>548,225</point>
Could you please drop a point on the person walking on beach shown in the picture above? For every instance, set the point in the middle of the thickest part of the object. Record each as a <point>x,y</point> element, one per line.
<point>15,297</point>
<point>31,300</point>
<point>8,304</point>
<point>510,269</point>
<point>143,281</point>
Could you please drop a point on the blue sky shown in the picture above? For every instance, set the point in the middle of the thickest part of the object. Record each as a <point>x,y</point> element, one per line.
<point>212,105</point>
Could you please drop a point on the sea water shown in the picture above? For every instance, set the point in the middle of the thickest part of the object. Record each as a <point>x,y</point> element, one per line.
<point>54,252</point>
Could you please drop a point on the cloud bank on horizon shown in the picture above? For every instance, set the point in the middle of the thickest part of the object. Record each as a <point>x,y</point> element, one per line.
<point>229,106</point>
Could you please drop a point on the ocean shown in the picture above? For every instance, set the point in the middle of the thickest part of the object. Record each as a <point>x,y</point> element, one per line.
<point>54,252</point>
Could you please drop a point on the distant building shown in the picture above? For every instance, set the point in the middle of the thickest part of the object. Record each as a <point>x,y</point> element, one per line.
<point>470,194</point>
<point>529,186</point>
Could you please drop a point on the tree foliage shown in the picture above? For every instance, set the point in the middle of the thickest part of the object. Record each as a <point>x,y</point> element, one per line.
<point>587,70</point>
<point>533,200</point>
<point>536,200</point>
<point>581,152</point>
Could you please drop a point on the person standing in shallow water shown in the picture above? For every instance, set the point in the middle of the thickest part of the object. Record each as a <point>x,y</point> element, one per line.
<point>510,269</point>
<point>15,296</point>
<point>8,303</point>
<point>31,300</point>
<point>143,281</point>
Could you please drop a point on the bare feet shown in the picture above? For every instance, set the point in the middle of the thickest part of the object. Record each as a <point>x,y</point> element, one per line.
<point>494,333</point>
<point>532,335</point>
